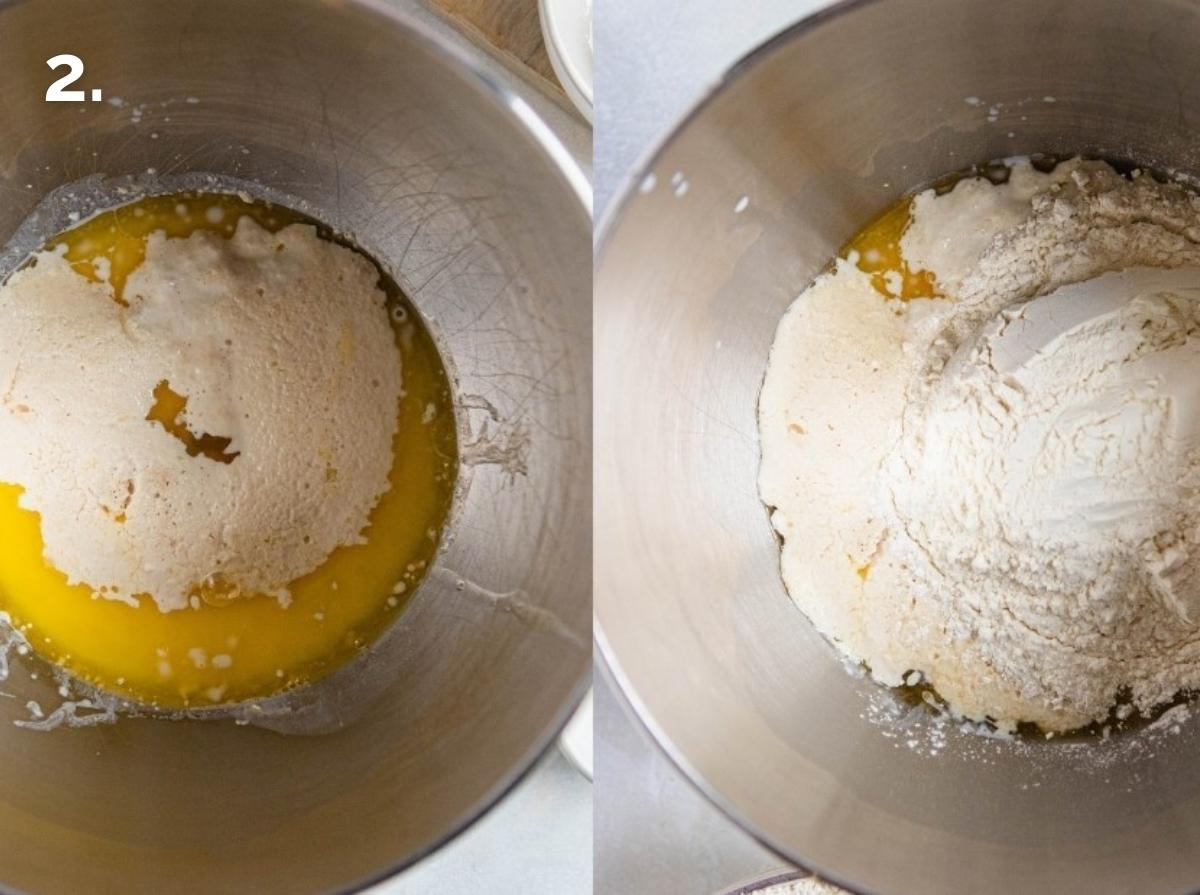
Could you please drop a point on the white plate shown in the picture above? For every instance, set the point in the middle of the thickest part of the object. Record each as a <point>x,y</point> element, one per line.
<point>567,29</point>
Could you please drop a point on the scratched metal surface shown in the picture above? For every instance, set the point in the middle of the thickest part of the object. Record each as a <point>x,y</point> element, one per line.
<point>448,181</point>
<point>655,833</point>
<point>826,128</point>
<point>539,837</point>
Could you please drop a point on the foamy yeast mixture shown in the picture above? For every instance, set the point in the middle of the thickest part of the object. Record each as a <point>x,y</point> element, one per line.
<point>211,479</point>
<point>981,441</point>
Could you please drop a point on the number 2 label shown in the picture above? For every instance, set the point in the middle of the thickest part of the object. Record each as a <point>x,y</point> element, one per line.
<point>56,93</point>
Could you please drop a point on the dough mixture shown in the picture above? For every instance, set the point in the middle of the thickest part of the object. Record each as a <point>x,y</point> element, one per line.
<point>213,485</point>
<point>277,347</point>
<point>986,477</point>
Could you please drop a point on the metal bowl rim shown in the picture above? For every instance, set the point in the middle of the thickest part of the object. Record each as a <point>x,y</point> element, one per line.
<point>609,220</point>
<point>545,141</point>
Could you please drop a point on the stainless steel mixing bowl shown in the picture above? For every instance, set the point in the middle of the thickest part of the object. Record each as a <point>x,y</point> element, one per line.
<point>821,129</point>
<point>353,112</point>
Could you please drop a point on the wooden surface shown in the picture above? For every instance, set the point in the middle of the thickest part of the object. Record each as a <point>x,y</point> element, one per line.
<point>511,27</point>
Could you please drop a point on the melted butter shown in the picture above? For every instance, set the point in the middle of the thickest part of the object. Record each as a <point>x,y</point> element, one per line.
<point>169,411</point>
<point>876,249</point>
<point>231,646</point>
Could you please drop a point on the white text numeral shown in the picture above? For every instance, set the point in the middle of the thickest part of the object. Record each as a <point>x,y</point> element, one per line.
<point>55,93</point>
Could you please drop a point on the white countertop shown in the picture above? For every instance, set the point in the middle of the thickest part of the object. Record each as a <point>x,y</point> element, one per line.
<point>538,840</point>
<point>654,58</point>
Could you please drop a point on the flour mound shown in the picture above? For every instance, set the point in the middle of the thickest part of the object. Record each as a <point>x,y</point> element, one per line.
<point>281,345</point>
<point>1003,490</point>
<point>810,885</point>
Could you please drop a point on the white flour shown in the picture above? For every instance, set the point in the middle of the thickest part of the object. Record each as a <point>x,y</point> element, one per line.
<point>1002,493</point>
<point>280,343</point>
<point>810,885</point>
